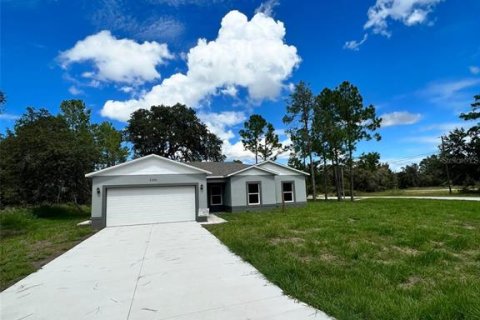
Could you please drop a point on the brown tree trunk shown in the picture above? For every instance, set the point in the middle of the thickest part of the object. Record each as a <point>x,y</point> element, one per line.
<point>351,174</point>
<point>312,173</point>
<point>337,180</point>
<point>325,176</point>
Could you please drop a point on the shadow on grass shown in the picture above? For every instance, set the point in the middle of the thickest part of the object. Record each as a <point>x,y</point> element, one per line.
<point>60,212</point>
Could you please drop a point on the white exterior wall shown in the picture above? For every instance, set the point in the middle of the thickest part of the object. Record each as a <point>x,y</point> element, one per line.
<point>146,180</point>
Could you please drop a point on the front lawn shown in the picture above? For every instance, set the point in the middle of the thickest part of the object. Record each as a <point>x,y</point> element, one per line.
<point>425,191</point>
<point>371,259</point>
<point>30,237</point>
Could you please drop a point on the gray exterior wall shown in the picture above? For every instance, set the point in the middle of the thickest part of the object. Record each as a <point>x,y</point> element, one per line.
<point>271,192</point>
<point>227,194</point>
<point>300,194</point>
<point>238,185</point>
<point>103,182</point>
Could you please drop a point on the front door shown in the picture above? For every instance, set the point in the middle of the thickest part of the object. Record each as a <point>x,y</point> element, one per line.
<point>216,197</point>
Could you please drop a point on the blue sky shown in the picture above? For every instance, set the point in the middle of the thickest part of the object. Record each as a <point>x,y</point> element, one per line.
<point>419,63</point>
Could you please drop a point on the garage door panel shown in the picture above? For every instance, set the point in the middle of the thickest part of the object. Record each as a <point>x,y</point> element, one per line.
<point>129,206</point>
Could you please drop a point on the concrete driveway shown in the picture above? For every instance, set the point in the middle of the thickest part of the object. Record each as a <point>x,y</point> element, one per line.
<point>159,271</point>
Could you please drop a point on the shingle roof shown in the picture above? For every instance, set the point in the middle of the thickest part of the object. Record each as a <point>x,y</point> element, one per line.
<point>220,168</point>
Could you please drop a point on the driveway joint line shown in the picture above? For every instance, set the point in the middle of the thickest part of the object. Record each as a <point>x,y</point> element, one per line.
<point>140,271</point>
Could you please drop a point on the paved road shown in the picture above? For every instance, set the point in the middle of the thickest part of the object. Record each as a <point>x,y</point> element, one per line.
<point>402,197</point>
<point>420,197</point>
<point>161,271</point>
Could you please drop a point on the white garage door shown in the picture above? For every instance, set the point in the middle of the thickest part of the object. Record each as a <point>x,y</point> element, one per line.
<point>128,206</point>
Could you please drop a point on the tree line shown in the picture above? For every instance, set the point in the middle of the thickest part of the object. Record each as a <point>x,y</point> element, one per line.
<point>457,161</point>
<point>325,130</point>
<point>45,157</point>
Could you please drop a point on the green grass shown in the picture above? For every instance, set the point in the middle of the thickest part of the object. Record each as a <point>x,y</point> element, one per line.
<point>30,237</point>
<point>371,259</point>
<point>426,191</point>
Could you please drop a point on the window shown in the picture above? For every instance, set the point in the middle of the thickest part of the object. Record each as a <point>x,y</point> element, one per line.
<point>216,198</point>
<point>287,190</point>
<point>253,193</point>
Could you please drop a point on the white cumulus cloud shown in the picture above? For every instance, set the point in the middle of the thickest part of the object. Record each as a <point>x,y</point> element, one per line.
<point>117,60</point>
<point>400,118</point>
<point>408,12</point>
<point>221,122</point>
<point>246,53</point>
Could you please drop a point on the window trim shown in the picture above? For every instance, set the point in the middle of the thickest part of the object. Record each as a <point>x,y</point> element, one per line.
<point>292,192</point>
<point>259,193</point>
<point>221,196</point>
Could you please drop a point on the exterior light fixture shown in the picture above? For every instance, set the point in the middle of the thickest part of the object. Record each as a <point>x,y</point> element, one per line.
<point>201,187</point>
<point>98,191</point>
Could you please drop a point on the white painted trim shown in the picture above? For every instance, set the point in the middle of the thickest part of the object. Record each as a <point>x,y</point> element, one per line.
<point>249,168</point>
<point>280,165</point>
<point>253,193</point>
<point>95,173</point>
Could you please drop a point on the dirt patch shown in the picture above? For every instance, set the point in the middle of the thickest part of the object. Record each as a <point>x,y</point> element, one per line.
<point>410,282</point>
<point>305,259</point>
<point>437,244</point>
<point>295,231</point>
<point>327,257</point>
<point>57,249</point>
<point>407,250</point>
<point>293,240</point>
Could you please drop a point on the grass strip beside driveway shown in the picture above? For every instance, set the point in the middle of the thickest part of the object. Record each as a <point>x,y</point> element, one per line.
<point>31,237</point>
<point>373,259</point>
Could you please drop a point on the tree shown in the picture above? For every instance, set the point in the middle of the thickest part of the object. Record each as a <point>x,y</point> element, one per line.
<point>459,153</point>
<point>369,161</point>
<point>252,134</point>
<point>299,117</point>
<point>212,146</point>
<point>259,137</point>
<point>77,116</point>
<point>108,141</point>
<point>40,161</point>
<point>173,132</point>
<point>474,114</point>
<point>408,176</point>
<point>474,131</point>
<point>271,147</point>
<point>358,122</point>
<point>3,100</point>
<point>431,170</point>
<point>329,136</point>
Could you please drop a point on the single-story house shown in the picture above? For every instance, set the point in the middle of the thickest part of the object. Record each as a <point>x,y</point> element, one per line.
<point>154,189</point>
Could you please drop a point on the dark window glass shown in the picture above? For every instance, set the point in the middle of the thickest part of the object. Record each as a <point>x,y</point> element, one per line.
<point>253,199</point>
<point>216,190</point>
<point>287,186</point>
<point>288,196</point>
<point>253,188</point>
<point>216,199</point>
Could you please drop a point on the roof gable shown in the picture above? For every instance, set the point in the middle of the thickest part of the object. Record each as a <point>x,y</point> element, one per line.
<point>280,169</point>
<point>220,169</point>
<point>148,165</point>
<point>252,171</point>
